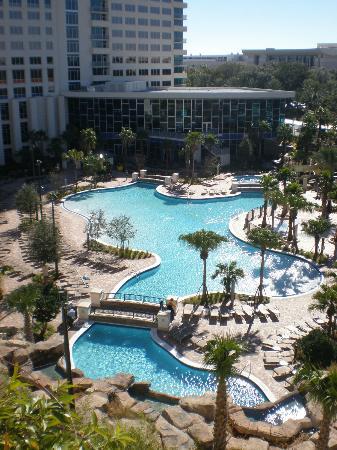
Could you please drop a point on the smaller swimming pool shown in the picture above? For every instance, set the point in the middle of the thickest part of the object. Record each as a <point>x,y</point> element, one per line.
<point>247,178</point>
<point>104,350</point>
<point>291,408</point>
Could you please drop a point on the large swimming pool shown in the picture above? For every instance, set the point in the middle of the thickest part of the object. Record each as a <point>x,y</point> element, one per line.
<point>160,220</point>
<point>105,350</point>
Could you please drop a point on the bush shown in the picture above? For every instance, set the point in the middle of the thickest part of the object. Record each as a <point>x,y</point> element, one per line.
<point>316,348</point>
<point>125,253</point>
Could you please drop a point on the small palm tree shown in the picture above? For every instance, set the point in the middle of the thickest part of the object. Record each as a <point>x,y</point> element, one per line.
<point>268,184</point>
<point>221,353</point>
<point>23,300</point>
<point>325,185</point>
<point>265,239</point>
<point>210,141</point>
<point>204,242</point>
<point>294,199</point>
<point>264,128</point>
<point>284,137</point>
<point>316,228</point>
<point>193,140</point>
<point>230,274</point>
<point>127,137</point>
<point>285,174</point>
<point>88,141</point>
<point>321,386</point>
<point>77,156</point>
<point>326,301</point>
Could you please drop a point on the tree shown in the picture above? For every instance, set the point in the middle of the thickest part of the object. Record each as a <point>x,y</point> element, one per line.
<point>284,137</point>
<point>295,201</point>
<point>265,239</point>
<point>27,200</point>
<point>327,158</point>
<point>325,185</point>
<point>47,306</point>
<point>88,141</point>
<point>44,244</point>
<point>121,229</point>
<point>77,156</point>
<point>204,242</point>
<point>210,141</point>
<point>230,274</point>
<point>268,185</point>
<point>193,140</point>
<point>284,175</point>
<point>315,228</point>
<point>326,301</point>
<point>264,128</point>
<point>221,353</point>
<point>36,138</point>
<point>322,389</point>
<point>95,226</point>
<point>316,348</point>
<point>94,164</point>
<point>29,422</point>
<point>23,300</point>
<point>127,137</point>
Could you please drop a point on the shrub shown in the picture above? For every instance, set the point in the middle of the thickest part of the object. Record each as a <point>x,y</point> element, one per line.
<point>316,348</point>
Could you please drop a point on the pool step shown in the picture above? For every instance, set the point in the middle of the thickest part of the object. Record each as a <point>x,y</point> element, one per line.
<point>122,320</point>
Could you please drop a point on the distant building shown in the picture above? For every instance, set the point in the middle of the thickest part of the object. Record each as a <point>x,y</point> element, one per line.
<point>324,55</point>
<point>192,61</point>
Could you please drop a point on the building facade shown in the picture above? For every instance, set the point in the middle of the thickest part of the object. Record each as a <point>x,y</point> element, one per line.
<point>48,47</point>
<point>324,55</point>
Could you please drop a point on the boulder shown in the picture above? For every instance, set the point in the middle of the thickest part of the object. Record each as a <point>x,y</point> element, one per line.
<point>307,445</point>
<point>250,444</point>
<point>314,412</point>
<point>88,403</point>
<point>21,356</point>
<point>9,330</point>
<point>39,379</point>
<point>172,438</point>
<point>203,405</point>
<point>3,369</point>
<point>40,394</point>
<point>49,351</point>
<point>140,387</point>
<point>176,416</point>
<point>146,409</point>
<point>77,373</point>
<point>82,384</point>
<point>6,353</point>
<point>123,399</point>
<point>16,343</point>
<point>122,381</point>
<point>202,434</point>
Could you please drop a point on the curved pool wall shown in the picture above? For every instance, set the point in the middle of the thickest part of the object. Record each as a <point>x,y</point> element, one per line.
<point>160,220</point>
<point>104,350</point>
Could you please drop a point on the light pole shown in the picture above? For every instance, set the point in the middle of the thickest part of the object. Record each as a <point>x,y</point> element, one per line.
<point>52,195</point>
<point>63,298</point>
<point>39,162</point>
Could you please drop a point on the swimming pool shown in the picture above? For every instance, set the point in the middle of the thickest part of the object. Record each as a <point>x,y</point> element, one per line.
<point>104,350</point>
<point>247,178</point>
<point>160,220</point>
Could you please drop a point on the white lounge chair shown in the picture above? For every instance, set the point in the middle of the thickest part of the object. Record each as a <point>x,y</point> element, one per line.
<point>188,309</point>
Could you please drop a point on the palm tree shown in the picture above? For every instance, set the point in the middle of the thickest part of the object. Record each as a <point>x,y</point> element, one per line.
<point>27,200</point>
<point>285,174</point>
<point>76,156</point>
<point>264,127</point>
<point>275,198</point>
<point>321,386</point>
<point>284,137</point>
<point>88,141</point>
<point>221,353</point>
<point>264,238</point>
<point>127,137</point>
<point>326,301</point>
<point>327,158</point>
<point>316,228</point>
<point>268,184</point>
<point>230,274</point>
<point>193,140</point>
<point>326,185</point>
<point>210,141</point>
<point>295,201</point>
<point>23,300</point>
<point>204,242</point>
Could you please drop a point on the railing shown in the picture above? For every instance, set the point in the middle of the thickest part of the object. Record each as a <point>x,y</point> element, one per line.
<point>133,297</point>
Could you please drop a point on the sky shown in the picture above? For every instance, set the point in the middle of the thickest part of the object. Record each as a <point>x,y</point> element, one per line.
<point>228,26</point>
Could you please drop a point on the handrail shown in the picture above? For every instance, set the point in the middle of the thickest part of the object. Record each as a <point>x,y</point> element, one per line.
<point>134,297</point>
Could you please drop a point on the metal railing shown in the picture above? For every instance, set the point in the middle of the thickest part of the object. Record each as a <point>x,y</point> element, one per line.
<point>133,297</point>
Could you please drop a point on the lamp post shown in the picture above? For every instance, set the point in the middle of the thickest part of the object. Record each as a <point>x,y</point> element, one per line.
<point>39,162</point>
<point>52,195</point>
<point>63,298</point>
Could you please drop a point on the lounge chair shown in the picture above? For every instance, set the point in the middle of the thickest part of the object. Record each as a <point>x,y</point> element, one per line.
<point>273,311</point>
<point>239,313</point>
<point>262,311</point>
<point>198,312</point>
<point>295,330</point>
<point>188,308</point>
<point>319,320</point>
<point>182,332</point>
<point>225,313</point>
<point>248,311</point>
<point>214,314</point>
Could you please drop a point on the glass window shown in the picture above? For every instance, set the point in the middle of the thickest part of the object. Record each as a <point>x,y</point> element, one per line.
<point>72,5</point>
<point>72,18</point>
<point>18,61</point>
<point>33,3</point>
<point>15,3</point>
<point>3,77</point>
<point>116,19</point>
<point>130,21</point>
<point>116,7</point>
<point>48,15</point>
<point>16,45</point>
<point>50,60</point>
<point>18,76</point>
<point>15,15</point>
<point>19,92</point>
<point>33,15</point>
<point>15,30</point>
<point>36,75</point>
<point>37,91</point>
<point>6,134</point>
<point>3,93</point>
<point>23,110</point>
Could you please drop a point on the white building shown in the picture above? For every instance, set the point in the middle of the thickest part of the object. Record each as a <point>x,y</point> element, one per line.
<point>49,47</point>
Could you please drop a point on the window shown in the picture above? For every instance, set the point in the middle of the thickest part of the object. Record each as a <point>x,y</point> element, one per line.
<point>130,21</point>
<point>117,33</point>
<point>71,18</point>
<point>166,23</point>
<point>155,60</point>
<point>6,134</point>
<point>35,60</point>
<point>155,35</point>
<point>15,3</point>
<point>48,16</point>
<point>154,10</point>
<point>130,47</point>
<point>142,9</point>
<point>24,131</point>
<point>143,60</point>
<point>2,30</point>
<point>143,47</point>
<point>17,61</point>
<point>18,76</point>
<point>116,7</point>
<point>167,36</point>
<point>117,46</point>
<point>131,60</point>
<point>3,93</point>
<point>166,71</point>
<point>49,45</point>
<point>117,59</point>
<point>2,61</point>
<point>143,34</point>
<point>130,33</point>
<point>117,73</point>
<point>74,86</point>
<point>73,61</point>
<point>15,15</point>
<point>166,11</point>
<point>47,3</point>
<point>72,5</point>
<point>142,21</point>
<point>74,74</point>
<point>19,92</point>
<point>155,48</point>
<point>4,111</point>
<point>33,3</point>
<point>72,32</point>
<point>35,45</point>
<point>73,47</point>
<point>36,75</point>
<point>15,30</point>
<point>37,91</point>
<point>49,31</point>
<point>155,23</point>
<point>155,71</point>
<point>130,8</point>
<point>100,64</point>
<point>130,73</point>
<point>116,19</point>
<point>50,60</point>
<point>3,77</point>
<point>155,83</point>
<point>33,15</point>
<point>143,72</point>
<point>167,60</point>
<point>23,110</point>
<point>17,45</point>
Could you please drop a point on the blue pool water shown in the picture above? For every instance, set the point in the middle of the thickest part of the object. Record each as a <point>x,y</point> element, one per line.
<point>105,350</point>
<point>247,178</point>
<point>159,222</point>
